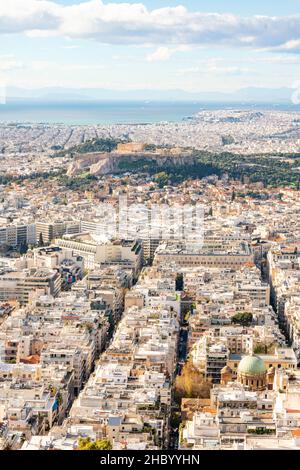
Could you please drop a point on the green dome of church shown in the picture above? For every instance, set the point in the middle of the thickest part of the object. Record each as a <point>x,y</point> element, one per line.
<point>252,365</point>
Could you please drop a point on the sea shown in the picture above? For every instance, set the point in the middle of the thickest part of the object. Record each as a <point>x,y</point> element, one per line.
<point>117,112</point>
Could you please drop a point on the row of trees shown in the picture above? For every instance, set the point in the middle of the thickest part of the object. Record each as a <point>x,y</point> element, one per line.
<point>4,180</point>
<point>94,145</point>
<point>83,182</point>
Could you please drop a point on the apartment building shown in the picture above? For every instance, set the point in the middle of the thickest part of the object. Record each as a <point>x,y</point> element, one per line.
<point>237,256</point>
<point>16,234</point>
<point>127,254</point>
<point>73,358</point>
<point>51,230</point>
<point>20,285</point>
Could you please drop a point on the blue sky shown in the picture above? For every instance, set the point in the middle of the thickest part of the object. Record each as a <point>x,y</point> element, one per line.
<point>191,45</point>
<point>253,7</point>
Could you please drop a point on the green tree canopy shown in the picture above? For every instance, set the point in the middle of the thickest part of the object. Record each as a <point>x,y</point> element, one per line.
<point>243,318</point>
<point>85,443</point>
<point>41,239</point>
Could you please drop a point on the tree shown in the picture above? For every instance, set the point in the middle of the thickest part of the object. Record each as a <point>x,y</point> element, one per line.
<point>242,318</point>
<point>175,420</point>
<point>264,348</point>
<point>179,282</point>
<point>23,248</point>
<point>85,443</point>
<point>191,383</point>
<point>187,316</point>
<point>161,178</point>
<point>41,239</point>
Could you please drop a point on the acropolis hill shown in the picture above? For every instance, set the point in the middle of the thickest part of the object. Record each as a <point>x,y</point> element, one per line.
<point>110,162</point>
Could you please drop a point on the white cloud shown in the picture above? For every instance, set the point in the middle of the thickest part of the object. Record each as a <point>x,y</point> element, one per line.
<point>21,16</point>
<point>290,46</point>
<point>128,23</point>
<point>161,54</point>
<point>213,68</point>
<point>74,46</point>
<point>277,59</point>
<point>44,65</point>
<point>229,70</point>
<point>165,53</point>
<point>8,63</point>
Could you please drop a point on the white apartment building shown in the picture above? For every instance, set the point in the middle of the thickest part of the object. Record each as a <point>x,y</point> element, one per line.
<point>123,253</point>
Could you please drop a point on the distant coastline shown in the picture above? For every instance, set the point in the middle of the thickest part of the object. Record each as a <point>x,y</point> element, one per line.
<point>118,112</point>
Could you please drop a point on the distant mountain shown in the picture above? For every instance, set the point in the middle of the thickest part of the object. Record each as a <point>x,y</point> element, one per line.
<point>245,95</point>
<point>268,95</point>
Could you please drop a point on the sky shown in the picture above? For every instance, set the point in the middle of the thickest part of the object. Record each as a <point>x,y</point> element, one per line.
<point>194,45</point>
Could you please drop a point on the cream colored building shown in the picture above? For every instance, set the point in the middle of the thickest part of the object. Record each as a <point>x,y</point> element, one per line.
<point>233,256</point>
<point>283,358</point>
<point>125,253</point>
